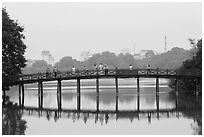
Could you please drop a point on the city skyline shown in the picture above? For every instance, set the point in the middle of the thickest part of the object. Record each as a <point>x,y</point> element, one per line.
<point>67,29</point>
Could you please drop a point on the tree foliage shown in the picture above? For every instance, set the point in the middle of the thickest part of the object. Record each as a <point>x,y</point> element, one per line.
<point>13,48</point>
<point>191,66</point>
<point>172,59</point>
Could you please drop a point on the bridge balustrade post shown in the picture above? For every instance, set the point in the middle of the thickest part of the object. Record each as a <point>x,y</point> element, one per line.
<point>116,71</point>
<point>96,71</point>
<point>167,71</point>
<point>20,77</point>
<point>157,71</point>
<point>137,71</point>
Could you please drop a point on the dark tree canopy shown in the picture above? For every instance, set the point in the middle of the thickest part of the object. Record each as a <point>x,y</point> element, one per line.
<point>13,48</point>
<point>191,66</point>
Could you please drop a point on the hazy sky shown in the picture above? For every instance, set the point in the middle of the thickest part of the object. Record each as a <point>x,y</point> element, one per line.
<point>67,29</point>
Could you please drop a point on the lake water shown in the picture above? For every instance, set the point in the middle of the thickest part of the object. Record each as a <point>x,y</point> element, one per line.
<point>107,112</point>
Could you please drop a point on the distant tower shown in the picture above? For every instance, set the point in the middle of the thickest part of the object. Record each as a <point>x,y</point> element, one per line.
<point>134,50</point>
<point>165,48</point>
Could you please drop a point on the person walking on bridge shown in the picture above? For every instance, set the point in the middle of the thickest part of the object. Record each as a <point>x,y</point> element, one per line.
<point>130,67</point>
<point>148,68</point>
<point>55,71</point>
<point>106,69</point>
<point>47,72</point>
<point>101,68</point>
<point>73,70</point>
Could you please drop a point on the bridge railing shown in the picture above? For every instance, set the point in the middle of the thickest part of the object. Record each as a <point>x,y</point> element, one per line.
<point>145,72</point>
<point>119,72</point>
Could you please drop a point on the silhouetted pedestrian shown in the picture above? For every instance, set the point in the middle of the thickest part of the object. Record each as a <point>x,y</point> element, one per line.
<point>148,69</point>
<point>47,72</point>
<point>95,67</point>
<point>106,69</point>
<point>55,71</point>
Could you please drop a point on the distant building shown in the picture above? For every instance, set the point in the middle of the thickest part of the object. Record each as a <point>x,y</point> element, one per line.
<point>145,54</point>
<point>30,62</point>
<point>125,51</point>
<point>46,56</point>
<point>85,55</point>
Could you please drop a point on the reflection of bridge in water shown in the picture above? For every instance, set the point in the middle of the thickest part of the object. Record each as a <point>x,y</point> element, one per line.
<point>104,115</point>
<point>97,74</point>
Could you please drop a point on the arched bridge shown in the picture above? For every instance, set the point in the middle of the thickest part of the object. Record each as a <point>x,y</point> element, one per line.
<point>96,74</point>
<point>105,73</point>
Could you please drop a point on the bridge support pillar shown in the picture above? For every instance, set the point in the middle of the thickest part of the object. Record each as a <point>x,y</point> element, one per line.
<point>116,104</point>
<point>40,94</point>
<point>138,85</point>
<point>78,95</point>
<point>177,101</point>
<point>138,102</point>
<point>97,85</point>
<point>177,85</point>
<point>59,94</point>
<point>157,104</point>
<point>4,94</point>
<point>97,103</point>
<point>116,85</point>
<point>197,86</point>
<point>157,85</point>
<point>21,95</point>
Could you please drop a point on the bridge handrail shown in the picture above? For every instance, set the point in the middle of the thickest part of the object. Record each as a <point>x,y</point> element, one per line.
<point>96,72</point>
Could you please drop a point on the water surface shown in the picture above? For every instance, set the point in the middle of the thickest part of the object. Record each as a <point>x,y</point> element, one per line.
<point>128,112</point>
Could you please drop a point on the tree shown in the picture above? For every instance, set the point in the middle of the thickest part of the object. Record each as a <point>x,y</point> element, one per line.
<point>13,48</point>
<point>66,63</point>
<point>40,64</point>
<point>191,66</point>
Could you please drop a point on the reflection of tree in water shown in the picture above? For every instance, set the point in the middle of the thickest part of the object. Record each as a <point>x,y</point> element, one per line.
<point>193,109</point>
<point>12,123</point>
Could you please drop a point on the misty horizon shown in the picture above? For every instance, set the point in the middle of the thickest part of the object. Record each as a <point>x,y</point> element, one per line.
<point>67,29</point>
<point>131,53</point>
